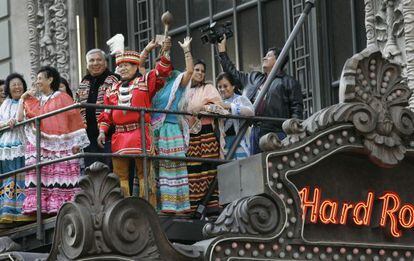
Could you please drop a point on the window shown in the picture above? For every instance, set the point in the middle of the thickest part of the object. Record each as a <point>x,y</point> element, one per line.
<point>177,9</point>
<point>199,10</point>
<point>249,51</point>
<point>222,5</point>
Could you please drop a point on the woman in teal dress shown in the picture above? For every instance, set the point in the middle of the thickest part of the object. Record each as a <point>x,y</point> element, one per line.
<point>12,150</point>
<point>169,140</point>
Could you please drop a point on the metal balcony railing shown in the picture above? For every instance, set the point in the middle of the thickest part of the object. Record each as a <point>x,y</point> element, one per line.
<point>37,120</point>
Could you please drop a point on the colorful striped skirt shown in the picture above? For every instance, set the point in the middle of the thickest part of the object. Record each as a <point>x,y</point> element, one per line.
<point>12,192</point>
<point>173,176</point>
<point>59,180</point>
<point>200,174</point>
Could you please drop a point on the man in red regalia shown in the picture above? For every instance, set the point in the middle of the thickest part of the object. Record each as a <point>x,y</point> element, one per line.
<point>134,90</point>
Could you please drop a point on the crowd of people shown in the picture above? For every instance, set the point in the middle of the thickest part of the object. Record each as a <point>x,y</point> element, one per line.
<point>173,187</point>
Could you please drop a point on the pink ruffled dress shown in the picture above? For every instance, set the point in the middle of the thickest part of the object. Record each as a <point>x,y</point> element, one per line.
<point>59,134</point>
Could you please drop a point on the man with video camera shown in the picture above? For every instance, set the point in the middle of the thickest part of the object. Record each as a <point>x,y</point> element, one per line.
<point>283,99</point>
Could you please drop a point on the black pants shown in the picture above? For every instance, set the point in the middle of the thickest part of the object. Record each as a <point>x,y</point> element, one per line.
<point>94,148</point>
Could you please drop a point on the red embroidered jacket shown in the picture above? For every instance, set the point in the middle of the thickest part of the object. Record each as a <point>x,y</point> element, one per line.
<point>127,136</point>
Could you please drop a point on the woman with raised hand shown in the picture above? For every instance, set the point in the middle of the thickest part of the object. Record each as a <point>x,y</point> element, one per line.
<point>62,135</point>
<point>237,105</point>
<point>169,139</point>
<point>12,150</point>
<point>205,137</point>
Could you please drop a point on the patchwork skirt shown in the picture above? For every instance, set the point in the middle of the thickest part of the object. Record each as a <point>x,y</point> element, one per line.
<point>173,176</point>
<point>12,192</point>
<point>200,174</point>
<point>59,181</point>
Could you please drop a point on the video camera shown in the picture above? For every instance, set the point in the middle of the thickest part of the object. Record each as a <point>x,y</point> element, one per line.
<point>214,33</point>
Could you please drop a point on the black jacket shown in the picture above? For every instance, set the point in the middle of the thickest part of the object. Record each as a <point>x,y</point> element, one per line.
<point>284,97</point>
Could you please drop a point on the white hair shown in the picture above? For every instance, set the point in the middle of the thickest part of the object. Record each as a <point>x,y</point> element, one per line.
<point>96,50</point>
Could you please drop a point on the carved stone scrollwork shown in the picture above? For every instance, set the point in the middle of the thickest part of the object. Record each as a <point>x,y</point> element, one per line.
<point>127,228</point>
<point>294,131</point>
<point>102,223</point>
<point>49,35</point>
<point>256,215</point>
<point>270,142</point>
<point>373,98</point>
<point>369,22</point>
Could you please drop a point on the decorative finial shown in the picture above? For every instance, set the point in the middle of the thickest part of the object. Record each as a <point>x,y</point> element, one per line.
<point>166,19</point>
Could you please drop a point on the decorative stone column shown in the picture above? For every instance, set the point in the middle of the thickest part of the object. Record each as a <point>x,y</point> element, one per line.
<point>49,36</point>
<point>369,22</point>
<point>408,11</point>
<point>390,26</point>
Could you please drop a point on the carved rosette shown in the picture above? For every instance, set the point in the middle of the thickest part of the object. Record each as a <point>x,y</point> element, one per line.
<point>256,215</point>
<point>376,83</point>
<point>48,35</point>
<point>101,223</point>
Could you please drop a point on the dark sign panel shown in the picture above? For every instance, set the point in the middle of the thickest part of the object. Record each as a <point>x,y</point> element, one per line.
<point>349,199</point>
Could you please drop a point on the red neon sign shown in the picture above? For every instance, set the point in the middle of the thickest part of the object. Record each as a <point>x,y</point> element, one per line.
<point>394,214</point>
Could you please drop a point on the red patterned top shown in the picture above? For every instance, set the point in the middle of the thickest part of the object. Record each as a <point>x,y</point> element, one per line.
<point>127,137</point>
<point>59,132</point>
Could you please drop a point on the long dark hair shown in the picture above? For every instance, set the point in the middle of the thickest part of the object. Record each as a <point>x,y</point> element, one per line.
<point>228,77</point>
<point>9,79</point>
<point>66,83</point>
<point>200,61</point>
<point>51,72</point>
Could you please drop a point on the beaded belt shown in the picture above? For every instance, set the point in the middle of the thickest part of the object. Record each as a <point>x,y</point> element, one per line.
<point>126,127</point>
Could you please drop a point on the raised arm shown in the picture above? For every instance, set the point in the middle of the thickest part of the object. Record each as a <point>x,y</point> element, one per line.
<point>189,64</point>
<point>20,111</point>
<point>144,55</point>
<point>228,66</point>
<point>156,78</point>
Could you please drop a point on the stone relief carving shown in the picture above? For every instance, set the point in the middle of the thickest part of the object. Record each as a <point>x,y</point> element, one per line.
<point>389,27</point>
<point>256,215</point>
<point>384,23</point>
<point>101,222</point>
<point>373,98</point>
<point>369,22</point>
<point>408,12</point>
<point>49,35</point>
